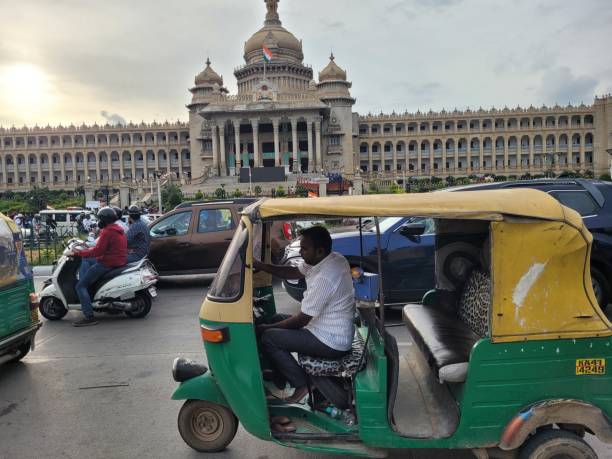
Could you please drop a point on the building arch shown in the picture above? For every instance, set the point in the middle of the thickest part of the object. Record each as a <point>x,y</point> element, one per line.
<point>550,121</point>
<point>536,122</point>
<point>364,129</point>
<point>499,143</point>
<point>525,142</point>
<point>524,123</point>
<point>550,140</point>
<point>487,143</point>
<point>588,139</point>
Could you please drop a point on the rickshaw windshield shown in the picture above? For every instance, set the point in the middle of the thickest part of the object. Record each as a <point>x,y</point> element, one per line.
<point>228,282</point>
<point>13,265</point>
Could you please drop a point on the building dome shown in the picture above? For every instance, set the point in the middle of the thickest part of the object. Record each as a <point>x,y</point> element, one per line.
<point>208,76</point>
<point>283,44</point>
<point>332,71</point>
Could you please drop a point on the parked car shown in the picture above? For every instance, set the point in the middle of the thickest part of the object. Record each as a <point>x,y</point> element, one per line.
<point>404,257</point>
<point>194,236</point>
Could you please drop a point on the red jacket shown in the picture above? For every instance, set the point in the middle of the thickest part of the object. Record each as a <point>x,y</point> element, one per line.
<point>110,248</point>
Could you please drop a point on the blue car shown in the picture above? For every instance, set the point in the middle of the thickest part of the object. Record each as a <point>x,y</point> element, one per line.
<point>407,257</point>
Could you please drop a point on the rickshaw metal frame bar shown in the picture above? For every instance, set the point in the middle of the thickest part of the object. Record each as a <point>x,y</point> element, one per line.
<point>381,295</point>
<point>360,243</point>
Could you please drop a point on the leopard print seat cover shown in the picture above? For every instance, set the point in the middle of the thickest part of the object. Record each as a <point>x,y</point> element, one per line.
<point>344,367</point>
<point>475,301</point>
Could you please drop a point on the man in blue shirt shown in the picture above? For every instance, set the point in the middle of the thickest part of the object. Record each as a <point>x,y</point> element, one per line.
<point>138,237</point>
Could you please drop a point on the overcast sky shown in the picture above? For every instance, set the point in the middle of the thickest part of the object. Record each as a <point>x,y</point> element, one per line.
<point>64,61</point>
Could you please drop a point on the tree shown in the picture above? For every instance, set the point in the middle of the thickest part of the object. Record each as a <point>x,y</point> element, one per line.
<point>172,196</point>
<point>238,193</point>
<point>280,191</point>
<point>199,195</point>
<point>257,190</point>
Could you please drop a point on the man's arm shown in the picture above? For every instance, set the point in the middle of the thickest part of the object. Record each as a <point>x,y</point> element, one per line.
<point>300,320</point>
<point>284,272</point>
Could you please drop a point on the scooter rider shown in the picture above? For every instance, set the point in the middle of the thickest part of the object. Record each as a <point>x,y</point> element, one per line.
<point>110,252</point>
<point>138,238</point>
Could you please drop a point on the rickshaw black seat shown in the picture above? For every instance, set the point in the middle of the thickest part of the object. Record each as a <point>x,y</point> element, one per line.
<point>442,337</point>
<point>344,367</point>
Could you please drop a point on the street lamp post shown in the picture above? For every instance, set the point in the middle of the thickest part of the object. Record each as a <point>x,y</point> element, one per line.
<point>158,175</point>
<point>609,151</point>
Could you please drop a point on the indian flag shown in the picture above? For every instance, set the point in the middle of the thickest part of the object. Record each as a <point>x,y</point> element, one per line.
<point>267,54</point>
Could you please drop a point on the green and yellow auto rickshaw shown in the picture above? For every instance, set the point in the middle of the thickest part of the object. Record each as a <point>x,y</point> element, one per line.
<point>18,303</point>
<point>511,355</point>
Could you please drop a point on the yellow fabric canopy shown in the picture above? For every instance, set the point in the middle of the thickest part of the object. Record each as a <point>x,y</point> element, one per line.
<point>476,205</point>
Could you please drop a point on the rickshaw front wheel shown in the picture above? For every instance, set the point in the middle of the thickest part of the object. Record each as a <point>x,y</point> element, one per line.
<point>205,426</point>
<point>556,444</point>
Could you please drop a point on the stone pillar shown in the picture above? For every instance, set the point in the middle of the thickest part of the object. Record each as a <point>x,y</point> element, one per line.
<point>237,145</point>
<point>481,155</point>
<point>456,158</point>
<point>431,159</point>
<point>256,159</point>
<point>419,157</point>
<point>133,156</point>
<point>443,145</point>
<point>89,193</point>
<point>39,164</point>
<point>370,159</point>
<point>276,143</point>
<point>168,162</point>
<point>506,150</point>
<point>294,140</point>
<point>531,148</point>
<point>319,165</point>
<point>98,177</point>
<point>323,181</point>
<point>222,163</point>
<point>121,169</point>
<point>310,156</point>
<point>215,150</point>
<point>145,165</point>
<point>124,195</point>
<point>394,162</point>
<point>582,155</point>
<point>109,166</point>
<point>357,185</point>
<point>27,169</point>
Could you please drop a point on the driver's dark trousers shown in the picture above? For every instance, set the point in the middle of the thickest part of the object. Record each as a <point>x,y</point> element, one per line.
<point>278,344</point>
<point>93,273</point>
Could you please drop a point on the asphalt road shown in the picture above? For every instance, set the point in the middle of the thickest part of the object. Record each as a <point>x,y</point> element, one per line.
<point>104,391</point>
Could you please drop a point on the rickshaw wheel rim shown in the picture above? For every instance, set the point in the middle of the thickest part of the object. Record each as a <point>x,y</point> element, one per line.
<point>207,425</point>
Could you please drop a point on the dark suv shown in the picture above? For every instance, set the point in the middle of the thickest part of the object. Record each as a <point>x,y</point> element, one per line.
<point>592,199</point>
<point>193,238</point>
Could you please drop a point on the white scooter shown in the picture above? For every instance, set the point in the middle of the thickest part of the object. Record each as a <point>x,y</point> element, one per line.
<point>129,289</point>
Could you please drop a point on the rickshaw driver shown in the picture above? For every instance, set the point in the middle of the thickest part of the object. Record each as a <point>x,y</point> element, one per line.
<point>324,325</point>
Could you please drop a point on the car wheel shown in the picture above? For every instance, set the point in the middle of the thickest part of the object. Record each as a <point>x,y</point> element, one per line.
<point>600,287</point>
<point>550,444</point>
<point>205,426</point>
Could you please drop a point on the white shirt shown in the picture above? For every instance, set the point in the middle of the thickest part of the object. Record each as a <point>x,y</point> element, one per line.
<point>330,300</point>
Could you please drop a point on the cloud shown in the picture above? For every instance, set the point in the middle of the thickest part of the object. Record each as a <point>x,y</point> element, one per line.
<point>559,85</point>
<point>113,118</point>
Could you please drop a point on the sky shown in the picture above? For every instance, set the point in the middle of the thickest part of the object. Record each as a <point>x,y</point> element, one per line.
<point>75,61</point>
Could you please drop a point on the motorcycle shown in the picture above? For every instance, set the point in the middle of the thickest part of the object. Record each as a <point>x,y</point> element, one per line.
<point>129,289</point>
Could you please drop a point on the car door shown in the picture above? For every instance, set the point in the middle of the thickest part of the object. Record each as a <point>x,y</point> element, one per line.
<point>171,241</point>
<point>409,262</point>
<point>212,233</point>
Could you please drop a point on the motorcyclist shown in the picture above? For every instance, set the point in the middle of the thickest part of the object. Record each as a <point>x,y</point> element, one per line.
<point>124,226</point>
<point>110,252</point>
<point>138,238</point>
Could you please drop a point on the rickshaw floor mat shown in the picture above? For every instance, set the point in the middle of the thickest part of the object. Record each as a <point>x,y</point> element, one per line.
<point>424,408</point>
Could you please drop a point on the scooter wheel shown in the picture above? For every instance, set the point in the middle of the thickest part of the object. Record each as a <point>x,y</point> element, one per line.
<point>141,306</point>
<point>52,308</point>
<point>206,426</point>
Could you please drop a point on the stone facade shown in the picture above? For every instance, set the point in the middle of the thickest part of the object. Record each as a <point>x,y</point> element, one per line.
<point>282,117</point>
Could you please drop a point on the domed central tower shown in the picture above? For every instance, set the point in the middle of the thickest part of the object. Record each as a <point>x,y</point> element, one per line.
<point>285,70</point>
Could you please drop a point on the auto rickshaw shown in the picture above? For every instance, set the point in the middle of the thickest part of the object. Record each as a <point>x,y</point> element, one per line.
<point>18,303</point>
<point>509,356</point>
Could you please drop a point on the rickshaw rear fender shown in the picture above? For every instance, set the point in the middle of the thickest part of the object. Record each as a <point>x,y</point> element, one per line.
<point>202,387</point>
<point>559,411</point>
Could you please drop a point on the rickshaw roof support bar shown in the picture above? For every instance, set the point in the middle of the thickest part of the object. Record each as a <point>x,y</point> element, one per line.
<point>381,295</point>
<point>360,243</point>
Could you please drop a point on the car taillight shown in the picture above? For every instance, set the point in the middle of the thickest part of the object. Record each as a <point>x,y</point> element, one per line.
<point>288,231</point>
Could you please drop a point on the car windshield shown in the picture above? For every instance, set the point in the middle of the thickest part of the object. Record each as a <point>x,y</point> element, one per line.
<point>227,285</point>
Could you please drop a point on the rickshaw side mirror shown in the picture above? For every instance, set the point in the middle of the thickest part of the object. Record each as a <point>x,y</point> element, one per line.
<point>411,230</point>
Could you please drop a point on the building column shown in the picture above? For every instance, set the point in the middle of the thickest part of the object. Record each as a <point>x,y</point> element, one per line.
<point>3,168</point>
<point>74,168</point>
<point>98,179</point>
<point>237,145</point>
<point>62,168</point>
<point>121,169</point>
<point>310,156</point>
<point>531,149</point>
<point>419,156</point>
<point>222,163</point>
<point>215,150</point>
<point>582,155</point>
<point>443,145</point>
<point>456,144</point>
<point>168,161</point>
<point>370,158</point>
<point>133,156</point>
<point>109,168</point>
<point>294,140</point>
<point>27,168</point>
<point>319,165</point>
<point>506,152</point>
<point>257,162</point>
<point>432,159</point>
<point>481,153</point>
<point>39,164</point>
<point>394,160</point>
<point>276,143</point>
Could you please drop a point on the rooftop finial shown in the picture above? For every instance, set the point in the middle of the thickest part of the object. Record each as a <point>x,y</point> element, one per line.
<point>207,62</point>
<point>331,56</point>
<point>272,17</point>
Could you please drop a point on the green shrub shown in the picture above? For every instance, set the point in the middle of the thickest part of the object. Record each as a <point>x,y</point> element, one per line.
<point>238,193</point>
<point>605,177</point>
<point>280,191</point>
<point>199,195</point>
<point>257,190</point>
<point>219,193</point>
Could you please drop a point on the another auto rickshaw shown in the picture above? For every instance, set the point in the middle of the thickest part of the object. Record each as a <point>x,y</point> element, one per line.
<point>511,355</point>
<point>18,303</point>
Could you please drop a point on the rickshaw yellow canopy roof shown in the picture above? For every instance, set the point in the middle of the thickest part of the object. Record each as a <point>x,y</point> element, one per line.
<point>476,205</point>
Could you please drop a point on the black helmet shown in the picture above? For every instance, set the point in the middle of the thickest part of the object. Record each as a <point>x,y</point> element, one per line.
<point>106,216</point>
<point>134,212</point>
<point>118,212</point>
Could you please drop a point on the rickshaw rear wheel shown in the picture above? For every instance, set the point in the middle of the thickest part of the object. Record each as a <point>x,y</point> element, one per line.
<point>205,426</point>
<point>52,308</point>
<point>24,349</point>
<point>556,444</point>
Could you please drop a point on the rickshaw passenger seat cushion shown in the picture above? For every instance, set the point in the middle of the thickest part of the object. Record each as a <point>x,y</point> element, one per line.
<point>344,367</point>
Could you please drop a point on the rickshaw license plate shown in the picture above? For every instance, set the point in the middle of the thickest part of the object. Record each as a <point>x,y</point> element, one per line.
<point>153,291</point>
<point>590,366</point>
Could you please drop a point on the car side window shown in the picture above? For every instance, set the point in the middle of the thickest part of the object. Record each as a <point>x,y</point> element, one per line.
<point>580,201</point>
<point>174,225</point>
<point>60,217</point>
<point>211,220</point>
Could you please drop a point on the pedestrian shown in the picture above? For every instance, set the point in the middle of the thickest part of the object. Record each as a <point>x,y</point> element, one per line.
<point>138,238</point>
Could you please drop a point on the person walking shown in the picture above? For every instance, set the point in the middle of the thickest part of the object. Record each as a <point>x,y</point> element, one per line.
<point>110,252</point>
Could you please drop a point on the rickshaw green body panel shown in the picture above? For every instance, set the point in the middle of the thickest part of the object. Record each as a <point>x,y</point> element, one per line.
<point>503,379</point>
<point>203,387</point>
